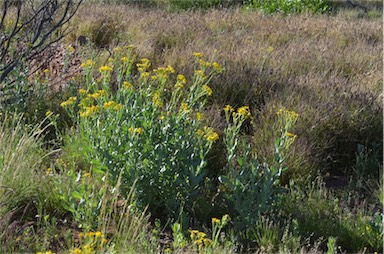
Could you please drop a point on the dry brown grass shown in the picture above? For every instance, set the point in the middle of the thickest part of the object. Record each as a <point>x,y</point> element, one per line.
<point>327,68</point>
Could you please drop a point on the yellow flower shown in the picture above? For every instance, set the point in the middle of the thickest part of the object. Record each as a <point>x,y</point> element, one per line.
<point>68,102</point>
<point>212,136</point>
<point>124,59</point>
<point>215,220</point>
<point>117,49</point>
<point>76,251</point>
<point>193,233</point>
<point>109,104</point>
<point>127,85</point>
<point>199,241</point>
<point>88,63</point>
<point>201,235</point>
<point>145,64</point>
<point>199,116</point>
<point>81,235</point>
<point>181,78</point>
<point>49,171</point>
<point>200,73</point>
<point>217,67</point>
<point>207,241</point>
<point>204,64</point>
<point>82,91</point>
<point>244,111</point>
<point>156,99</point>
<point>46,71</point>
<point>105,68</point>
<point>270,49</point>
<point>98,234</point>
<point>144,74</point>
<point>139,130</point>
<point>228,108</point>
<point>95,95</point>
<point>170,69</point>
<point>87,174</point>
<point>197,54</point>
<point>89,111</point>
<point>184,107</point>
<point>207,90</point>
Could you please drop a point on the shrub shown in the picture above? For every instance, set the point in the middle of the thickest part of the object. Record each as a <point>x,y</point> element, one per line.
<point>150,129</point>
<point>290,6</point>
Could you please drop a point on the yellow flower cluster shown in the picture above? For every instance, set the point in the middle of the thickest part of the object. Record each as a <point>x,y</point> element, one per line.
<point>200,73</point>
<point>199,238</point>
<point>93,242</point>
<point>229,108</point>
<point>210,134</point>
<point>112,105</point>
<point>127,85</point>
<point>181,81</point>
<point>217,67</point>
<point>68,102</point>
<point>144,65</point>
<point>88,111</point>
<point>199,116</point>
<point>156,99</point>
<point>204,64</point>
<point>136,130</point>
<point>105,69</point>
<point>207,90</point>
<point>244,111</point>
<point>184,107</point>
<point>87,64</point>
<point>198,55</point>
<point>47,252</point>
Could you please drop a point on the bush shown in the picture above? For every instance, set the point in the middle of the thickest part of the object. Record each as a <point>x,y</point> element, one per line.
<point>290,6</point>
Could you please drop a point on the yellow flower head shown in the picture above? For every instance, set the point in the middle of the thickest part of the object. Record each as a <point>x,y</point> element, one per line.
<point>217,67</point>
<point>82,91</point>
<point>207,90</point>
<point>127,85</point>
<point>199,116</point>
<point>228,108</point>
<point>88,63</point>
<point>197,54</point>
<point>109,104</point>
<point>105,69</point>
<point>98,234</point>
<point>117,49</point>
<point>215,220</point>
<point>200,73</point>
<point>124,59</point>
<point>244,111</point>
<point>184,107</point>
<point>181,78</point>
<point>270,49</point>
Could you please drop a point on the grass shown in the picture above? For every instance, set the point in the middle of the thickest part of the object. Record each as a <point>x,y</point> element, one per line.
<point>269,176</point>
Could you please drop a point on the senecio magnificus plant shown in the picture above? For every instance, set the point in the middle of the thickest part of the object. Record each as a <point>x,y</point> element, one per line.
<point>150,130</point>
<point>250,185</point>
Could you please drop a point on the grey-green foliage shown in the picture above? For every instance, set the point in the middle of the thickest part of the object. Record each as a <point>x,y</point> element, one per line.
<point>290,6</point>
